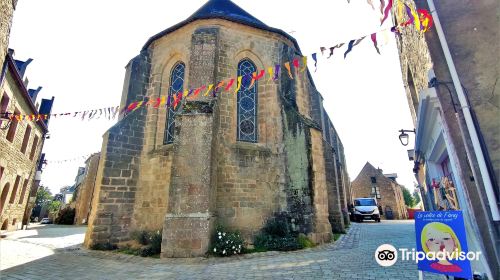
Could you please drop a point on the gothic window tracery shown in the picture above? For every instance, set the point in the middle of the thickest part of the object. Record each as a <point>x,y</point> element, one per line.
<point>176,86</point>
<point>247,103</point>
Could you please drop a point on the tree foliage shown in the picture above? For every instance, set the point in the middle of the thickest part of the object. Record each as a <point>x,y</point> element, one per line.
<point>43,196</point>
<point>409,199</point>
<point>54,206</point>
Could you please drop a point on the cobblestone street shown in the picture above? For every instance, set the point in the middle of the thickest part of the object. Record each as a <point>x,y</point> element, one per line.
<point>50,252</point>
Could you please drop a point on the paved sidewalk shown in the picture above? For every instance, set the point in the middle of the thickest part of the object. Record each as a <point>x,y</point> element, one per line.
<point>352,257</point>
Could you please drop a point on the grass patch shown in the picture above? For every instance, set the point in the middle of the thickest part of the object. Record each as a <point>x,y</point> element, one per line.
<point>336,236</point>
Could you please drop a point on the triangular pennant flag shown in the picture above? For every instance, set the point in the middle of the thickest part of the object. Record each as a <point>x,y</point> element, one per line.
<point>208,89</point>
<point>322,49</point>
<point>349,47</point>
<point>270,71</point>
<point>256,77</point>
<point>425,20</point>
<point>229,85</point>
<point>335,47</point>
<point>352,44</point>
<point>382,5</point>
<point>386,12</point>
<point>304,63</point>
<point>287,66</point>
<point>277,69</point>
<point>296,64</point>
<point>238,84</point>
<point>374,40</point>
<point>315,61</point>
<point>371,4</point>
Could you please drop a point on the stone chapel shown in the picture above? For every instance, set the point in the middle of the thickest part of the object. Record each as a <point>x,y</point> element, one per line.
<point>269,151</point>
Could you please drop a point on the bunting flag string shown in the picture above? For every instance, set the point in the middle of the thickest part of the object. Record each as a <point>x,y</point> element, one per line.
<point>59,161</point>
<point>421,19</point>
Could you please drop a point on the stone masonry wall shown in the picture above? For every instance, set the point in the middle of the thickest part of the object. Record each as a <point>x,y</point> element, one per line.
<point>117,181</point>
<point>189,221</point>
<point>7,8</point>
<point>15,163</point>
<point>334,208</point>
<point>86,190</point>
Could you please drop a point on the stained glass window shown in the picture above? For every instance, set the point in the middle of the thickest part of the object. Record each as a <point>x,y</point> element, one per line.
<point>176,85</point>
<point>247,103</point>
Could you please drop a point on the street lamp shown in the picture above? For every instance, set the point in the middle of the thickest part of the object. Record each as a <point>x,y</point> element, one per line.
<point>403,137</point>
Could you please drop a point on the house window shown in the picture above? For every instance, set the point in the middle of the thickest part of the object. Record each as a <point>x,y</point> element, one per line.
<point>33,147</point>
<point>14,190</point>
<point>247,103</point>
<point>373,179</point>
<point>375,191</point>
<point>23,192</point>
<point>12,128</point>
<point>4,102</point>
<point>26,139</point>
<point>176,86</point>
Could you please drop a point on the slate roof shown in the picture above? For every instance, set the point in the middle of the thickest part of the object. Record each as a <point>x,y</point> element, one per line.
<point>223,9</point>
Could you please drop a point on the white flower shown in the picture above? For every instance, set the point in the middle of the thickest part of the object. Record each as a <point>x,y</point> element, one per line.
<point>219,233</point>
<point>220,237</point>
<point>227,242</point>
<point>233,247</point>
<point>224,234</point>
<point>215,249</point>
<point>224,252</point>
<point>235,252</point>
<point>239,246</point>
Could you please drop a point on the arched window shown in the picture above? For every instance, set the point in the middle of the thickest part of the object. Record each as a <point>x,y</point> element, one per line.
<point>176,86</point>
<point>247,103</point>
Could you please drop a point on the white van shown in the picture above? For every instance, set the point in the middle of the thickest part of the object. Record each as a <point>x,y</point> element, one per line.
<point>366,208</point>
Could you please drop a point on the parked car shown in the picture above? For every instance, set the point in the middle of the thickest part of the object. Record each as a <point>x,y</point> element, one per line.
<point>46,221</point>
<point>366,209</point>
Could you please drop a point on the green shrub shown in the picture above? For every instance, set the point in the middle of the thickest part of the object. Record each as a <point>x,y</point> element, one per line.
<point>151,241</point>
<point>141,236</point>
<point>277,235</point>
<point>103,246</point>
<point>155,239</point>
<point>305,242</point>
<point>66,216</point>
<point>227,243</point>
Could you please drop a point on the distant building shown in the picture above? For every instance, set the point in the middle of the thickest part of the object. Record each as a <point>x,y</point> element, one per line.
<point>21,143</point>
<point>451,75</point>
<point>371,182</point>
<point>65,194</point>
<point>85,191</point>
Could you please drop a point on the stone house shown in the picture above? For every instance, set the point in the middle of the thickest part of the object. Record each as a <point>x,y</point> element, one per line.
<point>21,144</point>
<point>451,78</point>
<point>85,191</point>
<point>371,182</point>
<point>268,151</point>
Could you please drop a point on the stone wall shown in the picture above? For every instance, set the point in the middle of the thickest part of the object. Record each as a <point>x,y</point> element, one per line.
<point>16,166</point>
<point>86,189</point>
<point>7,8</point>
<point>118,173</point>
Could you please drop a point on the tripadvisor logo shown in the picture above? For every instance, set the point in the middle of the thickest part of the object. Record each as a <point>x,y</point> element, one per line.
<point>387,255</point>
